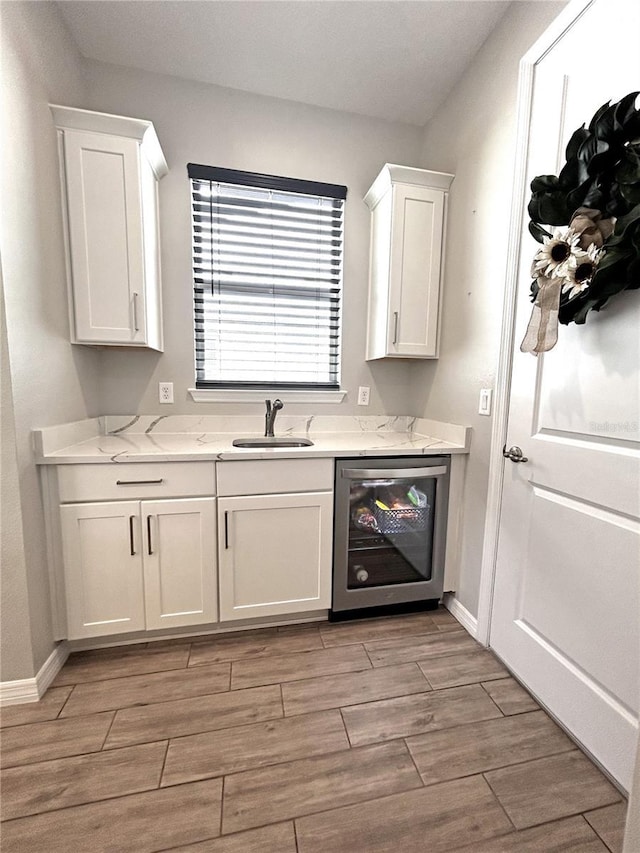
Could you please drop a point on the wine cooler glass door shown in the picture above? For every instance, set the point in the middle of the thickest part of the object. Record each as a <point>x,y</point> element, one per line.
<point>390,531</point>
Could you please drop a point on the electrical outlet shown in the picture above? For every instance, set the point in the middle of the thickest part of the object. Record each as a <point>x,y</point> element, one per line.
<point>363,395</point>
<point>165,392</point>
<point>484,407</point>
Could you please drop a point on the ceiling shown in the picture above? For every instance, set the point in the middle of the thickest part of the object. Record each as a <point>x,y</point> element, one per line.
<point>390,59</point>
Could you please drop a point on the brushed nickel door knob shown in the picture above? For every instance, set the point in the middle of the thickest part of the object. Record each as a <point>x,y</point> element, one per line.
<point>514,454</point>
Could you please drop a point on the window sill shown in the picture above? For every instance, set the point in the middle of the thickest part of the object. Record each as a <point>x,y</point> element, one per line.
<point>228,395</point>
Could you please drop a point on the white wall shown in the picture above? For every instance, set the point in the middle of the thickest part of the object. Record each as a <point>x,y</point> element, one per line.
<point>208,124</point>
<point>472,135</point>
<point>15,631</point>
<point>50,381</point>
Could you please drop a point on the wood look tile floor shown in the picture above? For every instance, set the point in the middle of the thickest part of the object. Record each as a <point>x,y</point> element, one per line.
<point>378,735</point>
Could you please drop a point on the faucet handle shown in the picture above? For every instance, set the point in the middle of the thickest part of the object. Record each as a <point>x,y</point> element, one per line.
<point>278,404</point>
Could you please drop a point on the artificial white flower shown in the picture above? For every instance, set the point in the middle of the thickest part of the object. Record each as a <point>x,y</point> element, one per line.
<point>558,254</point>
<point>578,277</point>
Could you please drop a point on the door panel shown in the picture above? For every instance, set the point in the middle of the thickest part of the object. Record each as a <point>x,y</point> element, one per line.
<point>103,579</point>
<point>180,562</point>
<point>566,598</point>
<point>105,228</point>
<point>415,270</point>
<point>586,568</point>
<point>275,554</point>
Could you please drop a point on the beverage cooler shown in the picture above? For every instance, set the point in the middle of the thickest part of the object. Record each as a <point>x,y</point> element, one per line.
<point>390,534</point>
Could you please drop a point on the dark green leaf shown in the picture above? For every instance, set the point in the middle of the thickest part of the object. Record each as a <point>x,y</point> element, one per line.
<point>589,195</point>
<point>633,274</point>
<point>581,316</point>
<point>605,127</point>
<point>575,142</point>
<point>625,222</point>
<point>628,171</point>
<point>538,232</point>
<point>553,209</point>
<point>598,115</point>
<point>625,109</point>
<point>573,173</point>
<point>533,290</point>
<point>543,183</point>
<point>590,148</point>
<point>631,193</point>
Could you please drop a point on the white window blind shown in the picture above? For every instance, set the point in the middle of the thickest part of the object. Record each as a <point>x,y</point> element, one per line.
<point>267,265</point>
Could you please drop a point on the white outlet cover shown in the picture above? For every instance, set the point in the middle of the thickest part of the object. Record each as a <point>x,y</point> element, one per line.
<point>165,392</point>
<point>364,392</point>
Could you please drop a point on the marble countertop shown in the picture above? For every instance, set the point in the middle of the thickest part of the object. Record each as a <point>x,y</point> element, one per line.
<point>191,438</point>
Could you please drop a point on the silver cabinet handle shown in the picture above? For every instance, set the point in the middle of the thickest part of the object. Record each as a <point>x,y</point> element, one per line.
<point>132,546</point>
<point>514,454</point>
<point>139,482</point>
<point>135,313</point>
<point>392,473</point>
<point>395,328</point>
<point>150,549</point>
<point>226,530</point>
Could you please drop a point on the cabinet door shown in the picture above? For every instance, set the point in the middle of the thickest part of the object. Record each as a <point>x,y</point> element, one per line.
<point>104,211</point>
<point>102,568</point>
<point>275,554</point>
<point>180,562</point>
<point>416,249</point>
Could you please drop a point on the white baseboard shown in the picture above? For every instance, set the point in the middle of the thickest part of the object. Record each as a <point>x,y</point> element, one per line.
<point>459,612</point>
<point>32,689</point>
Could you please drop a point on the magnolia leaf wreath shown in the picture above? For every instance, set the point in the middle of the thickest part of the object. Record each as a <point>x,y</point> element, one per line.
<point>593,207</point>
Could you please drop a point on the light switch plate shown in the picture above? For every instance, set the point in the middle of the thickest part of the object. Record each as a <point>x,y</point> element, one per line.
<point>484,407</point>
<point>165,392</point>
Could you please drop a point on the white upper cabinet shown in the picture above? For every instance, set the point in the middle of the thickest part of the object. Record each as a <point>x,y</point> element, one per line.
<point>110,168</point>
<point>408,216</point>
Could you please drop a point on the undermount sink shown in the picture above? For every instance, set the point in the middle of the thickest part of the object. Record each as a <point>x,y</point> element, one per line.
<point>277,441</point>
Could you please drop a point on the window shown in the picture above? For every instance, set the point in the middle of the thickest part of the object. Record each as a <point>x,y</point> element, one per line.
<point>267,266</point>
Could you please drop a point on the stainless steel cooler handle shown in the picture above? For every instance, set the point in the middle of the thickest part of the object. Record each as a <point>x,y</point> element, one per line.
<point>392,473</point>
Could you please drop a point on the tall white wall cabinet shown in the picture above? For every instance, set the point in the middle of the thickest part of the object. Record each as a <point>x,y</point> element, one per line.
<point>408,217</point>
<point>110,168</point>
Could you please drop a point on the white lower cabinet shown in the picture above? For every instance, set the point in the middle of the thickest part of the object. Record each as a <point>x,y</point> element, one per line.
<point>274,554</point>
<point>149,546</point>
<point>131,565</point>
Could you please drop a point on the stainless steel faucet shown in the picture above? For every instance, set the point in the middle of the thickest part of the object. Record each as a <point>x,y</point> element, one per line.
<point>270,417</point>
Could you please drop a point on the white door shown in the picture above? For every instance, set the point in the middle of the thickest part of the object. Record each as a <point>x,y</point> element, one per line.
<point>104,209</point>
<point>566,602</point>
<point>275,554</point>
<point>180,551</point>
<point>102,549</point>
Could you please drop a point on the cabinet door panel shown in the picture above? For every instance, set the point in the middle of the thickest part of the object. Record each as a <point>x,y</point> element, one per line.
<point>418,215</point>
<point>105,235</point>
<point>275,554</point>
<point>103,579</point>
<point>180,571</point>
